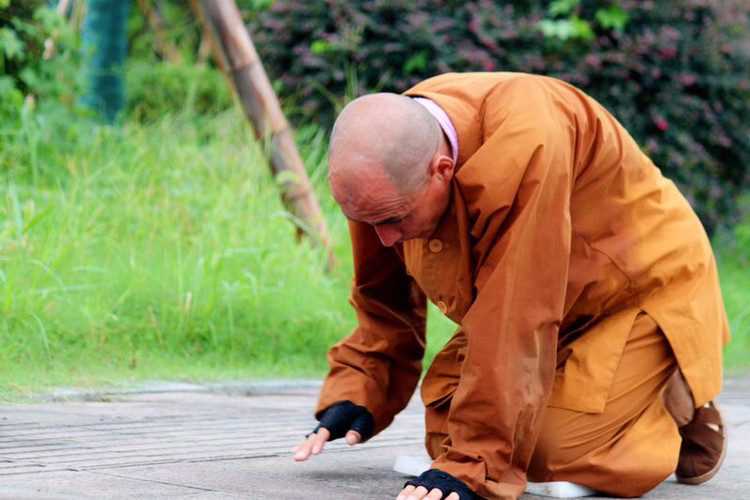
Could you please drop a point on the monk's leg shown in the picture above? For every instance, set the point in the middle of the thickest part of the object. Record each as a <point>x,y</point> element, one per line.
<point>634,444</point>
<point>435,436</point>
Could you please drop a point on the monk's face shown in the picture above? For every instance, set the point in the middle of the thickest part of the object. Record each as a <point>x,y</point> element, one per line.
<point>370,197</point>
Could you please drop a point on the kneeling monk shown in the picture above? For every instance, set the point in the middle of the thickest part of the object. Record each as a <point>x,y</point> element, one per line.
<point>590,317</point>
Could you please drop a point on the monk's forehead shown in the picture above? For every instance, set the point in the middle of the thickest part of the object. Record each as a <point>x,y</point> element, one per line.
<point>355,162</point>
<point>360,181</point>
<point>372,203</point>
<point>362,144</point>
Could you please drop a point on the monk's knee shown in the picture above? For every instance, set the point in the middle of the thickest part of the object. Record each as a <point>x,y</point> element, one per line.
<point>615,481</point>
<point>546,461</point>
<point>605,468</point>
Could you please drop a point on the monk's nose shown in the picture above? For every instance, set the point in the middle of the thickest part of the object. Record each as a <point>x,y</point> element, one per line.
<point>388,234</point>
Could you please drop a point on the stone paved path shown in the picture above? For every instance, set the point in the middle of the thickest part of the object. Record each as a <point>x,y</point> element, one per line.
<point>196,442</point>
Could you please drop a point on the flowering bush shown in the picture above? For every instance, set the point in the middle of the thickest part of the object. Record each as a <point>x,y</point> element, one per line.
<point>675,72</point>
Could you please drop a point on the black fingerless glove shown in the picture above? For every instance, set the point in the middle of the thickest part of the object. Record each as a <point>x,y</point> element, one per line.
<point>344,416</point>
<point>443,481</point>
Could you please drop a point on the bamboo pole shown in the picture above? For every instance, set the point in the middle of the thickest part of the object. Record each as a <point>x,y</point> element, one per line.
<point>236,54</point>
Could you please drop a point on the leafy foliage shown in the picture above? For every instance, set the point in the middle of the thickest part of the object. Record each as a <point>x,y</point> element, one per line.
<point>39,82</point>
<point>155,89</point>
<point>178,26</point>
<point>38,54</point>
<point>676,73</point>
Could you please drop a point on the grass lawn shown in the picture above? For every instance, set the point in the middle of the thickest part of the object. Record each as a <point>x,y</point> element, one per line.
<point>157,251</point>
<point>161,251</point>
<point>734,273</point>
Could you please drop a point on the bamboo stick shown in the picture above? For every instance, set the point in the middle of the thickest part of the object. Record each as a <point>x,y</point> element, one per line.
<point>236,54</point>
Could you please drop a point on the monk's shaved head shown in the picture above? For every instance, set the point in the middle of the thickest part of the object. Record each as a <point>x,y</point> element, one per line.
<point>387,132</point>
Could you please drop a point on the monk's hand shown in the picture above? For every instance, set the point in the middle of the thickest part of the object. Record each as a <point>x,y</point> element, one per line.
<point>343,419</point>
<point>435,484</point>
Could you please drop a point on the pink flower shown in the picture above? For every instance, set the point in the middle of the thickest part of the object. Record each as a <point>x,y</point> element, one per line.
<point>667,52</point>
<point>474,25</point>
<point>686,79</point>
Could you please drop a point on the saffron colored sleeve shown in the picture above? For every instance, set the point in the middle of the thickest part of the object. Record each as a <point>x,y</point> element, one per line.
<point>379,364</point>
<point>518,187</point>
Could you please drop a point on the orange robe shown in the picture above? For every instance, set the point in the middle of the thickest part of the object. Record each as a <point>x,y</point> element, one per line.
<point>560,231</point>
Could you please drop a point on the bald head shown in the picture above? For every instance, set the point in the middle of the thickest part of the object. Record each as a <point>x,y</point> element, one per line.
<point>389,133</point>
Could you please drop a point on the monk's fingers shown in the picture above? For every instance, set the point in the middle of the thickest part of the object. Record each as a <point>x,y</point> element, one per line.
<point>418,493</point>
<point>435,494</point>
<point>353,437</point>
<point>421,493</point>
<point>319,440</point>
<point>405,492</point>
<point>312,445</point>
<point>303,450</point>
<point>303,444</point>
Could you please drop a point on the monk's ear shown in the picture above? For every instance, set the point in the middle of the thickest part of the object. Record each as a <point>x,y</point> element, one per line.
<point>442,166</point>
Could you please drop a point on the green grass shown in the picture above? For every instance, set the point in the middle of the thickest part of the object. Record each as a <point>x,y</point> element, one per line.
<point>736,288</point>
<point>161,252</point>
<point>158,251</point>
<point>734,273</point>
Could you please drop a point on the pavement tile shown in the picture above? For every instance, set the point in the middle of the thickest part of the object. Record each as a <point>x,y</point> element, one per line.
<point>195,442</point>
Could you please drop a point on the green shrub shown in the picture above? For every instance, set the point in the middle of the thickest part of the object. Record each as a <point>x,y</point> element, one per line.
<point>39,83</point>
<point>30,68</point>
<point>156,89</point>
<point>676,73</point>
